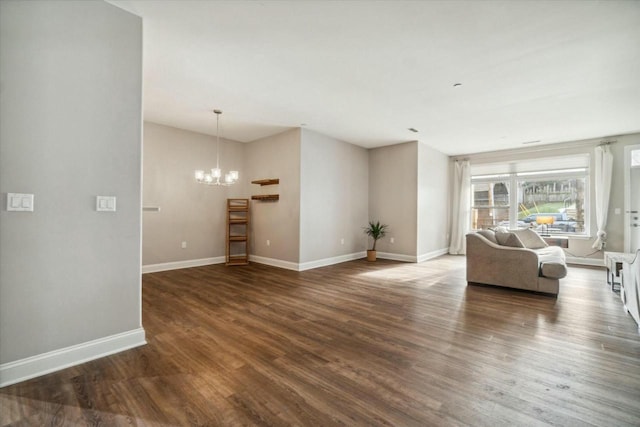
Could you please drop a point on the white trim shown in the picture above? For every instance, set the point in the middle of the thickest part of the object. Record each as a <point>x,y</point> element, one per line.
<point>274,262</point>
<point>433,254</point>
<point>397,257</point>
<point>41,364</point>
<point>330,261</point>
<point>627,196</point>
<point>596,262</point>
<point>175,265</point>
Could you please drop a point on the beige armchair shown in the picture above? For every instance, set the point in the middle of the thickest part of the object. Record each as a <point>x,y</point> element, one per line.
<point>536,268</point>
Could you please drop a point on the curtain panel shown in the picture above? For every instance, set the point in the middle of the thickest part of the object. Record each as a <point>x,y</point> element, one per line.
<point>461,207</point>
<point>604,169</point>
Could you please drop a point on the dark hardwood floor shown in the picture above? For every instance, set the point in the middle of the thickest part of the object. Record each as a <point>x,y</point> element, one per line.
<point>357,343</point>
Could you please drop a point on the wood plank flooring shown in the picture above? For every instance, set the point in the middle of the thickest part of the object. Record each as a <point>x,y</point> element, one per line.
<point>357,343</point>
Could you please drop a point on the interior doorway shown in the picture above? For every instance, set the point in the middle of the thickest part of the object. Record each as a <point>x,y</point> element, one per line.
<point>632,198</point>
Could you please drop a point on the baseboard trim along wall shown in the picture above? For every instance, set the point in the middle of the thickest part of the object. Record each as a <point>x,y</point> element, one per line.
<point>396,257</point>
<point>433,254</point>
<point>288,265</point>
<point>176,265</point>
<point>35,366</point>
<point>274,262</point>
<point>330,261</point>
<point>411,258</point>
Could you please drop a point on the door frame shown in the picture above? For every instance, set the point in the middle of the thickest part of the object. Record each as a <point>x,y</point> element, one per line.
<point>627,195</point>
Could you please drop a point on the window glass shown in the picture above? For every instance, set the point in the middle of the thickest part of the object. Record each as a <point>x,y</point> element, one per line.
<point>550,202</point>
<point>552,206</point>
<point>490,205</point>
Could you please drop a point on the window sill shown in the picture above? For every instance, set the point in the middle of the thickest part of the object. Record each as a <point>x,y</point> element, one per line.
<point>572,236</point>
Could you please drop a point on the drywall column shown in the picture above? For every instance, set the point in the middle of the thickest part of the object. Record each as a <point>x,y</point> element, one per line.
<point>393,198</point>
<point>278,222</point>
<point>70,108</point>
<point>433,202</point>
<point>333,200</point>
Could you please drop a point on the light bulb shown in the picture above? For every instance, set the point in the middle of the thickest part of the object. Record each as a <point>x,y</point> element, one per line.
<point>228,178</point>
<point>234,175</point>
<point>199,175</point>
<point>208,178</point>
<point>216,172</point>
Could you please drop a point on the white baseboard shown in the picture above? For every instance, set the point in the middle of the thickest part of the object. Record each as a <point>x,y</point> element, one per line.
<point>412,258</point>
<point>176,265</point>
<point>596,262</point>
<point>274,262</point>
<point>152,268</point>
<point>330,261</point>
<point>41,364</point>
<point>433,254</point>
<point>396,257</point>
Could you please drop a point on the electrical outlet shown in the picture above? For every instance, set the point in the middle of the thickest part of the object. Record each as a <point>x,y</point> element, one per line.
<point>342,241</point>
<point>392,240</point>
<point>184,245</point>
<point>268,242</point>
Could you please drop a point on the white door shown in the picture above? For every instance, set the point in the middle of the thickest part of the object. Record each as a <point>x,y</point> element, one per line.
<point>632,198</point>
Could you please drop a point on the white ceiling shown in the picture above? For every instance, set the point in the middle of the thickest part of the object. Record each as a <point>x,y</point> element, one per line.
<point>366,71</point>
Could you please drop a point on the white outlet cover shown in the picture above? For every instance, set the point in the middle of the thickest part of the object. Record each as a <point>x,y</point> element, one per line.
<point>105,203</point>
<point>20,202</point>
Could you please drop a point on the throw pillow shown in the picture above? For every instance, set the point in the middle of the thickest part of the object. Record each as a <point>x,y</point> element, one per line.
<point>530,239</point>
<point>501,229</point>
<point>489,235</point>
<point>509,239</point>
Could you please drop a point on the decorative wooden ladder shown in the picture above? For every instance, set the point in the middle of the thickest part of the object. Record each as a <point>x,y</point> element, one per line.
<point>237,232</point>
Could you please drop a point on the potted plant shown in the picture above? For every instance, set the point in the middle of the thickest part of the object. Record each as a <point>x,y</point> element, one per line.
<point>376,231</point>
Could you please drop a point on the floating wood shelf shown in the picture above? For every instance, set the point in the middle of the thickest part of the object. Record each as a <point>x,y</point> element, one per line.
<point>269,181</point>
<point>266,197</point>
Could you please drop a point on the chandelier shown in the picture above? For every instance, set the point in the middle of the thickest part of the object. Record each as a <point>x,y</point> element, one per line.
<point>213,178</point>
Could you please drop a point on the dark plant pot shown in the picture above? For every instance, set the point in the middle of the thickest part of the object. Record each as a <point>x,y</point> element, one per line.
<point>371,255</point>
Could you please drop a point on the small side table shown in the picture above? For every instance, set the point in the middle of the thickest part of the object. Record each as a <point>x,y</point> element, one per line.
<point>613,261</point>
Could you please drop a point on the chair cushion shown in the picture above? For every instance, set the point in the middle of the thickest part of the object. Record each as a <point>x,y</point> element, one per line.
<point>530,239</point>
<point>489,235</point>
<point>509,239</point>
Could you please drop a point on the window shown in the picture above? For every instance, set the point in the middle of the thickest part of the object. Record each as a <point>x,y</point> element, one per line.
<point>558,197</point>
<point>491,201</point>
<point>551,202</point>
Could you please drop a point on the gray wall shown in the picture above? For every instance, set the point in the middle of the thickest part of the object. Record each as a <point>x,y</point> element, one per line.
<point>433,200</point>
<point>70,109</point>
<point>393,200</point>
<point>580,246</point>
<point>334,183</point>
<point>189,212</point>
<point>277,156</point>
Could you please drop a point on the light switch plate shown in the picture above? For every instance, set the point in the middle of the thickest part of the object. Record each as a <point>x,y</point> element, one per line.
<point>105,203</point>
<point>20,202</point>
